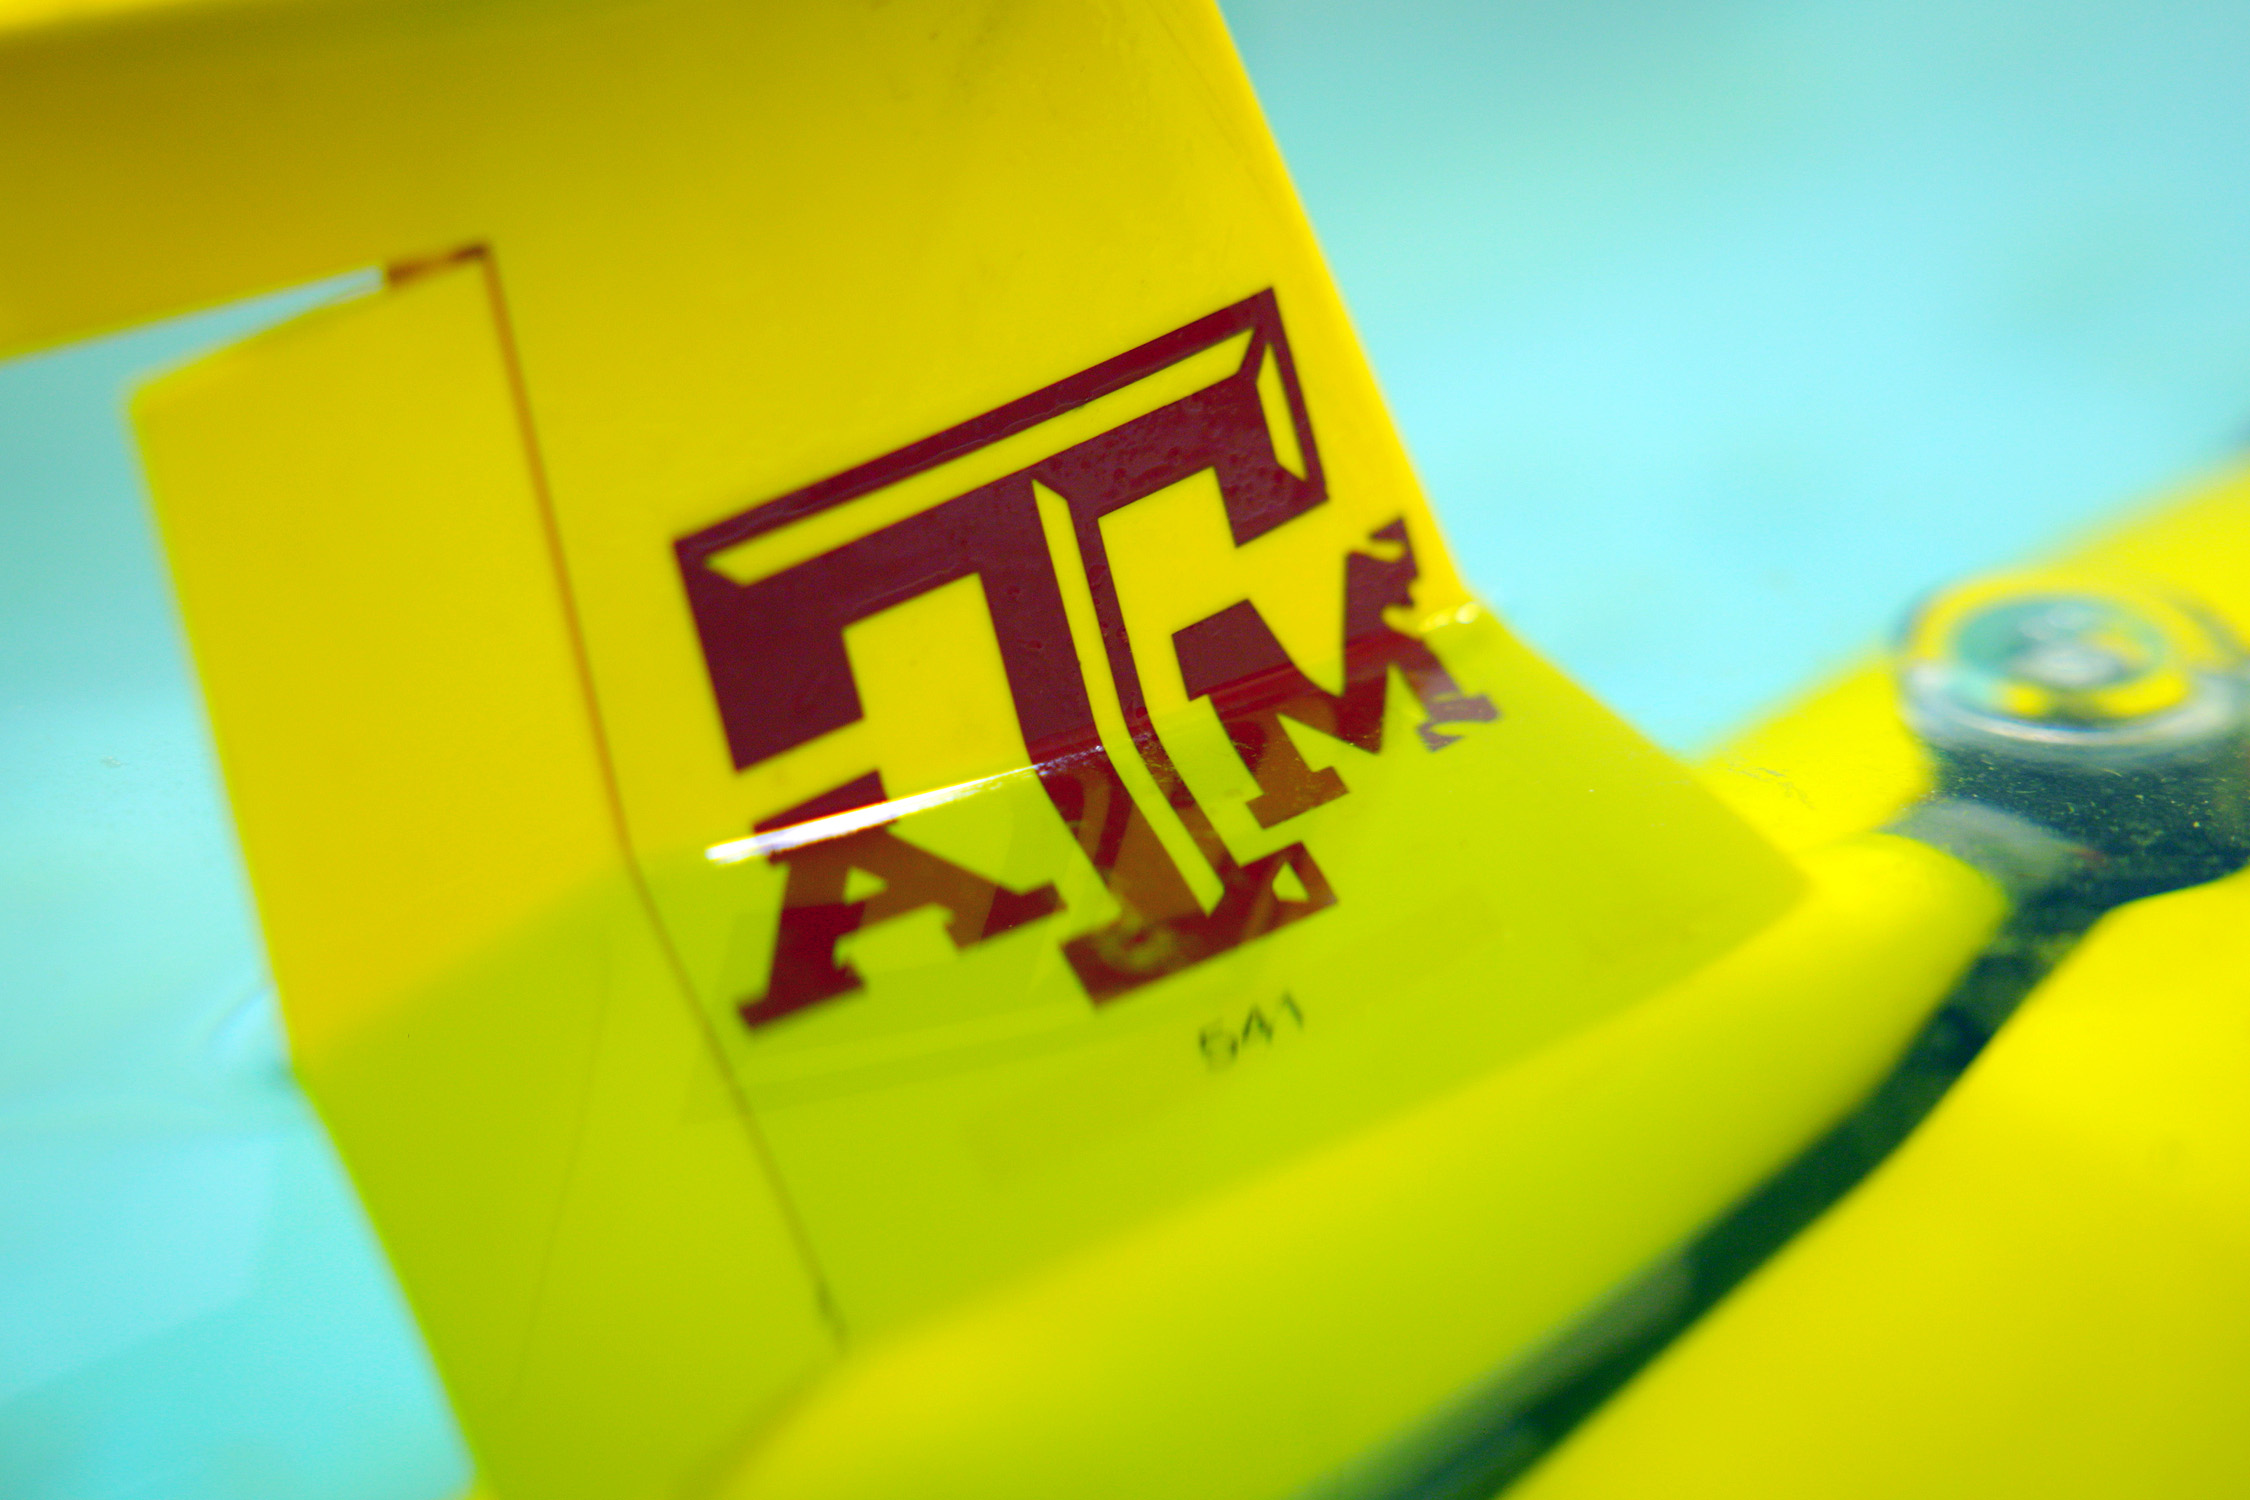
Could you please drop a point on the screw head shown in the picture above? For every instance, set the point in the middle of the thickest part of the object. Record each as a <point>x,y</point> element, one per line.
<point>2081,666</point>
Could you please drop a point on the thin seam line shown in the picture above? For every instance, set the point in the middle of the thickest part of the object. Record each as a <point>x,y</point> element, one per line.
<point>519,392</point>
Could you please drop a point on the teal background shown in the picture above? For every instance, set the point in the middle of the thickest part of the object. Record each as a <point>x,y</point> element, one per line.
<point>191,1304</point>
<point>1718,329</point>
<point>1721,328</point>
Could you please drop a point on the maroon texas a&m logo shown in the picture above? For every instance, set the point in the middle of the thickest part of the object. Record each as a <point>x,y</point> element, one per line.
<point>775,649</point>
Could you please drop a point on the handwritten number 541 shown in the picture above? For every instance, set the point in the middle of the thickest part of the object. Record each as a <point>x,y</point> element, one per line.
<point>1223,1043</point>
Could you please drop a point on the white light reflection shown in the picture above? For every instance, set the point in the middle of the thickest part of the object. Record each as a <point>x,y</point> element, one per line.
<point>836,825</point>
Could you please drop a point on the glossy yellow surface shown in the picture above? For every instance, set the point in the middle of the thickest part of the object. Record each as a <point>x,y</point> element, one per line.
<point>2043,1294</point>
<point>477,998</point>
<point>966,1227</point>
<point>1200,1356</point>
<point>2046,1292</point>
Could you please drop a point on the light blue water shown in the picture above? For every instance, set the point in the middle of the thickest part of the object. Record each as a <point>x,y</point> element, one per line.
<point>1718,327</point>
<point>191,1304</point>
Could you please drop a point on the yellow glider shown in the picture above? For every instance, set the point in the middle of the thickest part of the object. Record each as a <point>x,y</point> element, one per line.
<point>890,846</point>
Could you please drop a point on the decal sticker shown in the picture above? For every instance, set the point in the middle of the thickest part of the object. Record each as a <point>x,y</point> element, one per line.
<point>774,642</point>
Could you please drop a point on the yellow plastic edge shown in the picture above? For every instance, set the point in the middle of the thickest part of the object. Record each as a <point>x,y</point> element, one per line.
<point>1339,1302</point>
<point>2046,1292</point>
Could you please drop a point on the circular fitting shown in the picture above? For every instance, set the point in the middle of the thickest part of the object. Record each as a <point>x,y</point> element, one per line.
<point>2112,716</point>
<point>2063,669</point>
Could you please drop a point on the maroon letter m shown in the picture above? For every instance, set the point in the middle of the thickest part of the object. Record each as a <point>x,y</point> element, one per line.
<point>1233,659</point>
